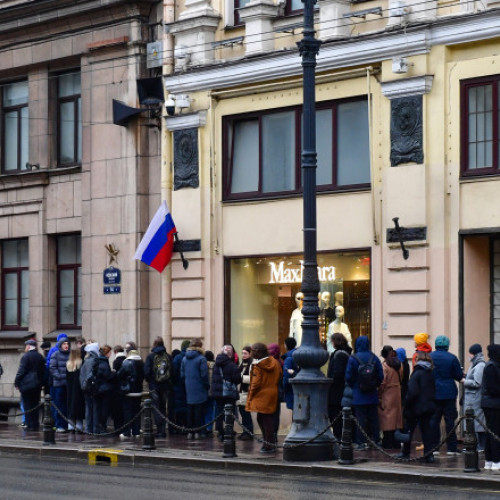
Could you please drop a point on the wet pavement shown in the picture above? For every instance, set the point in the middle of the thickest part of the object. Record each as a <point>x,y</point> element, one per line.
<point>209,452</point>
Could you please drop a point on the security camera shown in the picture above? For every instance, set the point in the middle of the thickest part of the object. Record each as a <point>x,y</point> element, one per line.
<point>170,106</point>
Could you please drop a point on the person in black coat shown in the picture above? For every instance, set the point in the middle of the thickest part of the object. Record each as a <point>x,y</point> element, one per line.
<point>74,394</point>
<point>490,403</point>
<point>130,380</point>
<point>336,371</point>
<point>105,387</point>
<point>159,390</point>
<point>420,404</point>
<point>29,380</point>
<point>224,369</point>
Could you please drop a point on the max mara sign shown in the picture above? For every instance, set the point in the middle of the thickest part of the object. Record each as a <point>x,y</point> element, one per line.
<point>283,274</point>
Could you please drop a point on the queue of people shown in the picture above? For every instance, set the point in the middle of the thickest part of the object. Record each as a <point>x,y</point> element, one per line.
<point>389,400</point>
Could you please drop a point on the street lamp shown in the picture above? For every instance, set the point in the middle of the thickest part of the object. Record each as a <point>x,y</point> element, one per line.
<point>310,386</point>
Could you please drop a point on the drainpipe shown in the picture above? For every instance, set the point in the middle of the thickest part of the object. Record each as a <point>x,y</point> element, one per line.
<point>166,176</point>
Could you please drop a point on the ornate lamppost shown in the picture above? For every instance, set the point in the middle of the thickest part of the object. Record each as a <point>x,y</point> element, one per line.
<point>310,386</point>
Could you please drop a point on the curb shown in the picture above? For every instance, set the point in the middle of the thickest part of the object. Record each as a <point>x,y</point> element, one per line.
<point>140,458</point>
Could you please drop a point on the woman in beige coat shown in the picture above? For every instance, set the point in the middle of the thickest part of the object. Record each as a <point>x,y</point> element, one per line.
<point>389,408</point>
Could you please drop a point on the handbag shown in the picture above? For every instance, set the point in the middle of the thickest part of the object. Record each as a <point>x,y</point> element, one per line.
<point>243,399</point>
<point>229,390</point>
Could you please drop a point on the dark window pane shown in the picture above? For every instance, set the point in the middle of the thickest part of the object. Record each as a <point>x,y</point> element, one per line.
<point>245,162</point>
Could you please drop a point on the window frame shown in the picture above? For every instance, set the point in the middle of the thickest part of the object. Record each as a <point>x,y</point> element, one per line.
<point>8,109</point>
<point>228,122</point>
<point>18,271</point>
<point>74,98</point>
<point>465,85</point>
<point>65,267</point>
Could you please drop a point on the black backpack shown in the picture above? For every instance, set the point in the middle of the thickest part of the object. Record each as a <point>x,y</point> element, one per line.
<point>367,376</point>
<point>127,381</point>
<point>162,368</point>
<point>90,384</point>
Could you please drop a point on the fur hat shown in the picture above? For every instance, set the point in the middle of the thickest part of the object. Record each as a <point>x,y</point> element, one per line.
<point>421,338</point>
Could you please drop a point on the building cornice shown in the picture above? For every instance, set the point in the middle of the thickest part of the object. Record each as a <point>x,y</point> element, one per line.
<point>405,87</point>
<point>367,49</point>
<point>192,120</point>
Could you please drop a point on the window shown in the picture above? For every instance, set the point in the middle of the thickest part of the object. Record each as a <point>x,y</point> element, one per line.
<point>237,5</point>
<point>15,284</point>
<point>480,126</point>
<point>69,125</point>
<point>69,291</point>
<point>294,7</point>
<point>263,150</point>
<point>15,127</point>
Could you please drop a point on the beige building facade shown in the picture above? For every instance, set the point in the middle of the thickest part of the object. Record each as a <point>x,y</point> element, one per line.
<point>407,127</point>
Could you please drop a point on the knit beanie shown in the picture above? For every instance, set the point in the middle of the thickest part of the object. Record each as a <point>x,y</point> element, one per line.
<point>442,342</point>
<point>475,349</point>
<point>185,344</point>
<point>421,338</point>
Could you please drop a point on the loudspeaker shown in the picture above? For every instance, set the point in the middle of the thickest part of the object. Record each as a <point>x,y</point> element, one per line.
<point>123,113</point>
<point>150,91</point>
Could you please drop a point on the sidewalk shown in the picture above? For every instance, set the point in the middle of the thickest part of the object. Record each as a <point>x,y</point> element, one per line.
<point>177,450</point>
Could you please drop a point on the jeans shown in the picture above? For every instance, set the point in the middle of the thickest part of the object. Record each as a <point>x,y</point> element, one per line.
<point>31,400</point>
<point>131,407</point>
<point>446,408</point>
<point>266,423</point>
<point>101,412</point>
<point>159,399</point>
<point>492,446</point>
<point>90,414</point>
<point>367,416</point>
<point>209,414</point>
<point>196,414</point>
<point>246,420</point>
<point>426,429</point>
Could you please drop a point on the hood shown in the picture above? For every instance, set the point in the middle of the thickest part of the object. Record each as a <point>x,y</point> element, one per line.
<point>133,354</point>
<point>401,353</point>
<point>159,349</point>
<point>120,355</point>
<point>425,347</point>
<point>222,359</point>
<point>61,336</point>
<point>426,365</point>
<point>494,352</point>
<point>289,354</point>
<point>193,352</point>
<point>478,357</point>
<point>362,344</point>
<point>94,347</point>
<point>267,364</point>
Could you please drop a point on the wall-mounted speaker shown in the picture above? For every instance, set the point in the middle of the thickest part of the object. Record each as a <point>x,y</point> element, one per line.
<point>122,113</point>
<point>150,91</point>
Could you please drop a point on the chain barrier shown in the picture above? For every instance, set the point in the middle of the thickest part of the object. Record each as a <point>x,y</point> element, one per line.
<point>102,434</point>
<point>404,459</point>
<point>295,445</point>
<point>486,428</point>
<point>37,407</point>
<point>186,429</point>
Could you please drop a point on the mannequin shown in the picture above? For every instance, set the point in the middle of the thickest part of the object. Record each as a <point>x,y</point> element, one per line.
<point>296,319</point>
<point>339,299</point>
<point>327,310</point>
<point>337,326</point>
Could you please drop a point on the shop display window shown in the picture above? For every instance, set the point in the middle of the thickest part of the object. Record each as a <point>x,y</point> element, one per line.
<point>262,303</point>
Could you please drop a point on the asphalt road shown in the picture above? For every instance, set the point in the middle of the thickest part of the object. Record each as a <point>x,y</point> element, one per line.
<point>32,479</point>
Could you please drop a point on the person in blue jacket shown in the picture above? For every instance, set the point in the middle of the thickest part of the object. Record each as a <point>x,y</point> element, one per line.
<point>447,371</point>
<point>194,373</point>
<point>364,403</point>
<point>290,370</point>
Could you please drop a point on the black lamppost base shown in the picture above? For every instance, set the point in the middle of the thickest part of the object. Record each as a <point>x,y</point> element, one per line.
<point>311,452</point>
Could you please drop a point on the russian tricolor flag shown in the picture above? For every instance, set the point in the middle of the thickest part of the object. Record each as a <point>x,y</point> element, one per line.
<point>156,247</point>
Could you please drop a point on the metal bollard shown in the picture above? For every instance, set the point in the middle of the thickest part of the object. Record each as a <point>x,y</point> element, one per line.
<point>346,456</point>
<point>471,456</point>
<point>229,442</point>
<point>148,438</point>
<point>48,422</point>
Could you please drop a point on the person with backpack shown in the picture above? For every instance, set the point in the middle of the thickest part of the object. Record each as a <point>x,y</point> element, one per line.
<point>364,374</point>
<point>130,378</point>
<point>194,372</point>
<point>158,374</point>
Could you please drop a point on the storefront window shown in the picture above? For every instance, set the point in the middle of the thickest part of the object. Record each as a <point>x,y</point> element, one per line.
<point>262,303</point>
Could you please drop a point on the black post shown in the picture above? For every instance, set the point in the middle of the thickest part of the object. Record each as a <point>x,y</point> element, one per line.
<point>229,442</point>
<point>148,438</point>
<point>310,386</point>
<point>471,456</point>
<point>346,448</point>
<point>48,422</point>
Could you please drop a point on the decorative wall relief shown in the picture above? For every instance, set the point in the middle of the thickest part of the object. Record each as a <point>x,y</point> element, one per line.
<point>406,130</point>
<point>186,170</point>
